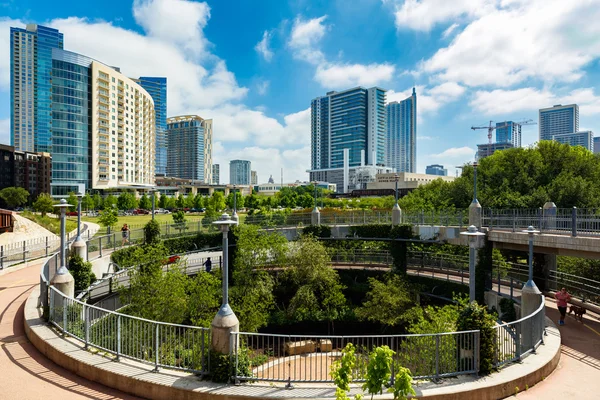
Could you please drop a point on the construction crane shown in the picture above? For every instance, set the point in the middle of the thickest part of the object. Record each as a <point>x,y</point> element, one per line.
<point>491,129</point>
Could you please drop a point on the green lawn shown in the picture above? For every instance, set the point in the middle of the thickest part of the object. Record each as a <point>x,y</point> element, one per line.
<point>138,221</point>
<point>50,223</point>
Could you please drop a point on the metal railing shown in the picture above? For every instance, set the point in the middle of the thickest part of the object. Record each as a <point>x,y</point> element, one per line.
<point>303,358</point>
<point>160,344</point>
<point>511,341</point>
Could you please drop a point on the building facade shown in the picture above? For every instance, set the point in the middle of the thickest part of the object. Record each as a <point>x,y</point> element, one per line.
<point>157,88</point>
<point>30,82</point>
<point>401,134</point>
<point>508,132</point>
<point>30,171</point>
<point>189,140</point>
<point>558,120</point>
<point>348,131</point>
<point>240,172</point>
<point>485,150</point>
<point>597,144</point>
<point>216,169</point>
<point>583,138</point>
<point>103,127</point>
<point>436,169</point>
<point>406,180</point>
<point>7,166</point>
<point>253,178</point>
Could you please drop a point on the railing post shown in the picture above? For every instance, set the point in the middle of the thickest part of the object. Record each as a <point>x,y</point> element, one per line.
<point>476,351</point>
<point>24,251</point>
<point>64,304</point>
<point>511,287</point>
<point>518,341</point>
<point>100,245</point>
<point>1,257</point>
<point>437,357</point>
<point>86,324</point>
<point>514,224</point>
<point>46,246</point>
<point>460,217</point>
<point>540,214</point>
<point>51,305</point>
<point>574,222</point>
<point>498,280</point>
<point>114,242</point>
<point>118,336</point>
<point>156,326</point>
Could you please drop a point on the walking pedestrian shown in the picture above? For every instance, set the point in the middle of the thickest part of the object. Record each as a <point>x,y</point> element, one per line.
<point>125,234</point>
<point>208,264</point>
<point>562,298</point>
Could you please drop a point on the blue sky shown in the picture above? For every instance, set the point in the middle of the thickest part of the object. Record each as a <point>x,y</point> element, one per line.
<point>254,66</point>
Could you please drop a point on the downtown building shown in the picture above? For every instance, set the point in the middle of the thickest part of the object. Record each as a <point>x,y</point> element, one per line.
<point>30,171</point>
<point>436,169</point>
<point>508,132</point>
<point>189,139</point>
<point>157,88</point>
<point>240,172</point>
<point>583,138</point>
<point>216,172</point>
<point>401,134</point>
<point>561,124</point>
<point>348,137</point>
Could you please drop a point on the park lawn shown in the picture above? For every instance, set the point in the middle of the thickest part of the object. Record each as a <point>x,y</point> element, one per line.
<point>50,223</point>
<point>138,221</point>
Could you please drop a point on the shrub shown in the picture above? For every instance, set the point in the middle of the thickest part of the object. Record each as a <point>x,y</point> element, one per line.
<point>476,317</point>
<point>321,231</point>
<point>222,366</point>
<point>507,310</point>
<point>81,271</point>
<point>151,232</point>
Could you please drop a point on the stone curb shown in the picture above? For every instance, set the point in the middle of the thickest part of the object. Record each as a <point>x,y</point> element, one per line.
<point>138,379</point>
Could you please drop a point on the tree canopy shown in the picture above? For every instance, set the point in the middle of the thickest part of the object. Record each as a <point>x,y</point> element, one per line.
<point>14,196</point>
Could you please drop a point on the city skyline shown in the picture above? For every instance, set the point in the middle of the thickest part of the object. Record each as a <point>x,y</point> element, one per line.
<point>244,81</point>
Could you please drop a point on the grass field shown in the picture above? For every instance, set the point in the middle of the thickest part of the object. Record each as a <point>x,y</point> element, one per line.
<point>138,221</point>
<point>50,223</point>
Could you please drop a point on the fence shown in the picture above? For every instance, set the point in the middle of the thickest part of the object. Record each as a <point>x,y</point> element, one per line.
<point>160,344</point>
<point>292,358</point>
<point>511,341</point>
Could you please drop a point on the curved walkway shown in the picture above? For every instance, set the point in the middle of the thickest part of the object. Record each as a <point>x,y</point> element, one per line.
<point>26,373</point>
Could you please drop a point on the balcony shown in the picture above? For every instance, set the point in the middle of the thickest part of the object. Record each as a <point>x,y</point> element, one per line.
<point>103,77</point>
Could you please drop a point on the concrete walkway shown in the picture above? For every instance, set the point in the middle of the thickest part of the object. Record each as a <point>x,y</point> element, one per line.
<point>25,372</point>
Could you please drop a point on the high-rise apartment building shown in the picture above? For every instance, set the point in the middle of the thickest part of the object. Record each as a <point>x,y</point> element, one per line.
<point>253,178</point>
<point>102,127</point>
<point>216,174</point>
<point>31,171</point>
<point>487,149</point>
<point>348,131</point>
<point>401,137</point>
<point>558,120</point>
<point>239,172</point>
<point>436,169</point>
<point>157,87</point>
<point>583,138</point>
<point>189,140</point>
<point>508,132</point>
<point>30,82</point>
<point>596,144</point>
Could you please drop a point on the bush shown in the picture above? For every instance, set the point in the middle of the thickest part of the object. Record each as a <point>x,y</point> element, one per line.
<point>222,366</point>
<point>151,232</point>
<point>191,243</point>
<point>507,310</point>
<point>320,231</point>
<point>81,271</point>
<point>476,317</point>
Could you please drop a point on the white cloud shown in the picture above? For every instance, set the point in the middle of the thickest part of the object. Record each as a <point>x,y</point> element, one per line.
<point>454,152</point>
<point>430,100</point>
<point>500,101</point>
<point>175,21</point>
<point>262,47</point>
<point>446,34</point>
<point>262,87</point>
<point>425,14</point>
<point>336,76</point>
<point>305,38</point>
<point>518,40</point>
<point>4,131</point>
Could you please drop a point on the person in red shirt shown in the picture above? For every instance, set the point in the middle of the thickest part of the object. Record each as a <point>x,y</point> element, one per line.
<point>562,298</point>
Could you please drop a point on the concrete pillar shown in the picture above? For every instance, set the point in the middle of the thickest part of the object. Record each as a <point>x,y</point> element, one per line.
<point>550,272</point>
<point>549,221</point>
<point>475,214</point>
<point>80,248</point>
<point>315,217</point>
<point>222,326</point>
<point>64,282</point>
<point>396,215</point>
<point>531,298</point>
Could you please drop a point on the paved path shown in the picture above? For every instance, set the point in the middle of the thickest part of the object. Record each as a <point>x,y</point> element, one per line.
<point>25,372</point>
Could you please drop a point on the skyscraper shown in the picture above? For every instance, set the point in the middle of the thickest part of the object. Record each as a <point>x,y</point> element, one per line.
<point>436,169</point>
<point>253,178</point>
<point>190,148</point>
<point>30,97</point>
<point>216,174</point>
<point>507,132</point>
<point>157,87</point>
<point>583,138</point>
<point>348,131</point>
<point>401,138</point>
<point>558,120</point>
<point>239,172</point>
<point>102,127</point>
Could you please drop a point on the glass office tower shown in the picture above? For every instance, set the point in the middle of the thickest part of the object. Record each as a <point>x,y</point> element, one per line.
<point>508,132</point>
<point>157,87</point>
<point>239,172</point>
<point>402,134</point>
<point>190,148</point>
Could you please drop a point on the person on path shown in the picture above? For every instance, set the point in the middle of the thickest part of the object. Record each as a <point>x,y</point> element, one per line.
<point>208,264</point>
<point>562,298</point>
<point>125,234</point>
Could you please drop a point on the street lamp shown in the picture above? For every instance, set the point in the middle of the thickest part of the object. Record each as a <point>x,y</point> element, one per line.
<point>396,211</point>
<point>531,298</point>
<point>153,191</point>
<point>475,165</point>
<point>79,197</point>
<point>531,231</point>
<point>473,234</point>
<point>234,216</point>
<point>475,211</point>
<point>315,218</point>
<point>63,280</point>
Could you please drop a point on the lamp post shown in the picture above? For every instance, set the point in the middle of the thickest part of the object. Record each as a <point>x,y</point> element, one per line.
<point>530,231</point>
<point>79,246</point>
<point>234,216</point>
<point>315,218</point>
<point>531,297</point>
<point>473,235</point>
<point>396,211</point>
<point>225,321</point>
<point>153,191</point>
<point>79,197</point>
<point>63,280</point>
<point>475,207</point>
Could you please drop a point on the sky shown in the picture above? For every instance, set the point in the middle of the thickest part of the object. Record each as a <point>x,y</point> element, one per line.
<point>254,66</point>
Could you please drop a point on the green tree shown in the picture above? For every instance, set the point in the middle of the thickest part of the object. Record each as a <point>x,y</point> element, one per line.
<point>476,317</point>
<point>379,370</point>
<point>108,218</point>
<point>386,302</point>
<point>14,196</point>
<point>126,201</point>
<point>145,202</point>
<point>109,201</point>
<point>189,201</point>
<point>72,200</point>
<point>81,271</point>
<point>44,204</point>
<point>198,202</point>
<point>204,298</point>
<point>162,201</point>
<point>217,201</point>
<point>180,203</point>
<point>252,202</point>
<point>152,232</point>
<point>87,202</point>
<point>239,200</point>
<point>98,203</point>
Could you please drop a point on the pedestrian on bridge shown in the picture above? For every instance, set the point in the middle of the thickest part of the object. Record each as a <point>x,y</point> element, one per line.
<point>562,298</point>
<point>208,264</point>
